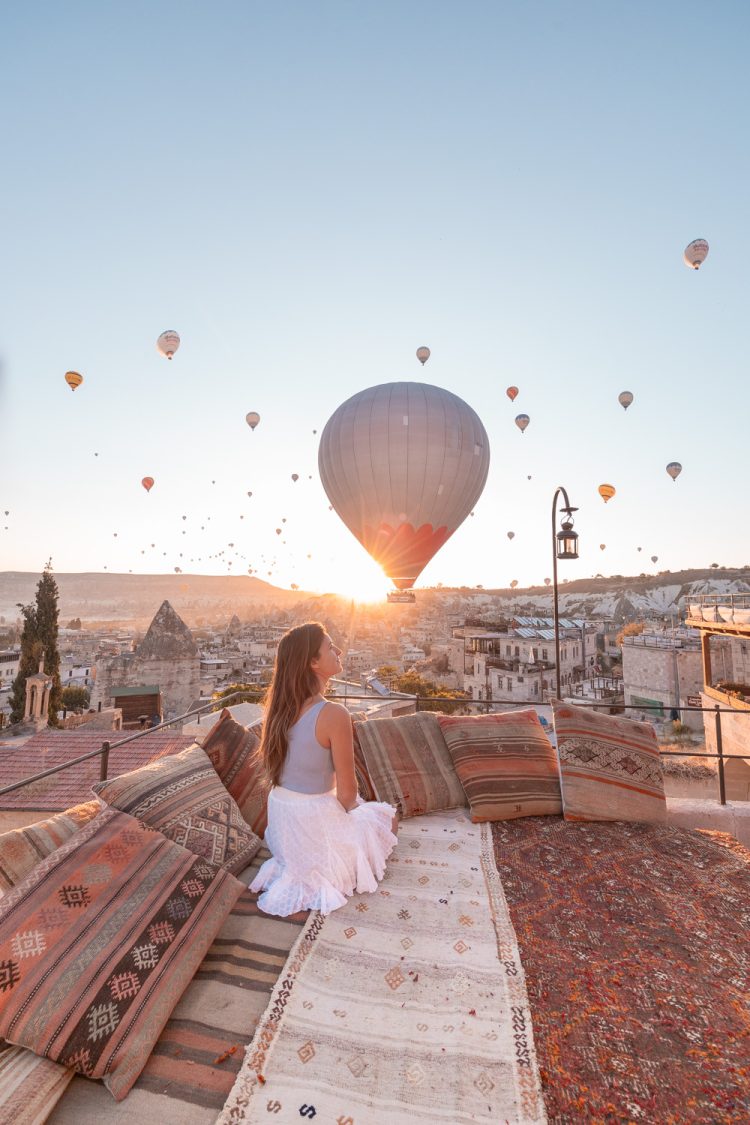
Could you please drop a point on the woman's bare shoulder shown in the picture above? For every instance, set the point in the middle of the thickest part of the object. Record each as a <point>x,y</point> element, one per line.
<point>336,714</point>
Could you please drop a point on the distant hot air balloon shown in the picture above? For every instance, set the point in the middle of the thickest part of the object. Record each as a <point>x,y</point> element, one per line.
<point>403,464</point>
<point>249,493</point>
<point>73,379</point>
<point>606,491</point>
<point>547,581</point>
<point>168,343</point>
<point>654,558</point>
<point>696,252</point>
<point>514,583</point>
<point>511,534</point>
<point>278,531</point>
<point>252,419</point>
<point>674,468</point>
<point>148,483</point>
<point>423,354</point>
<point>639,548</point>
<point>295,476</point>
<point>522,421</point>
<point>625,398</point>
<point>528,477</point>
<point>511,392</point>
<point>602,546</point>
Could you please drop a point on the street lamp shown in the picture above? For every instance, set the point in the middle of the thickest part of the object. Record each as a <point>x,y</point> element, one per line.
<point>564,546</point>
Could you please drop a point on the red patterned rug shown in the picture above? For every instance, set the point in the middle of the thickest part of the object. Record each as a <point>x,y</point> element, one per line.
<point>635,941</point>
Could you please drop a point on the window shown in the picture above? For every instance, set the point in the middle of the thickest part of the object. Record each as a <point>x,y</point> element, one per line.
<point>535,688</point>
<point>507,650</point>
<point>519,679</point>
<point>509,684</point>
<point>544,654</point>
<point>500,683</point>
<point>516,651</point>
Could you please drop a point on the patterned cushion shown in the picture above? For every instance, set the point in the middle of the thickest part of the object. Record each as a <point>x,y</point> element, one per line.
<point>365,787</point>
<point>30,1087</point>
<point>409,764</point>
<point>100,940</point>
<point>233,750</point>
<point>22,848</point>
<point>609,766</point>
<point>506,764</point>
<point>182,796</point>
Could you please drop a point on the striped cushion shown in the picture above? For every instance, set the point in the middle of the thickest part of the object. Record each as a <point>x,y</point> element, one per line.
<point>30,1087</point>
<point>183,797</point>
<point>409,764</point>
<point>22,848</point>
<point>365,787</point>
<point>233,750</point>
<point>100,940</point>
<point>506,764</point>
<point>609,766</point>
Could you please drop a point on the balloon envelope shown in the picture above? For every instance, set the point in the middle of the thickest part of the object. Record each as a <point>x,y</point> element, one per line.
<point>403,464</point>
<point>511,534</point>
<point>511,392</point>
<point>674,468</point>
<point>606,491</point>
<point>73,379</point>
<point>168,343</point>
<point>602,546</point>
<point>522,421</point>
<point>695,253</point>
<point>148,483</point>
<point>654,558</point>
<point>625,398</point>
<point>295,476</point>
<point>514,583</point>
<point>252,419</point>
<point>423,354</point>
<point>547,581</point>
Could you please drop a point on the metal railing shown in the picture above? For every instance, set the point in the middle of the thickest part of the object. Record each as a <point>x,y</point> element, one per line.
<point>488,706</point>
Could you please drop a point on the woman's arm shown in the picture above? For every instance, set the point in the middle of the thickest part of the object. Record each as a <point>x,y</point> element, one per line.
<point>338,728</point>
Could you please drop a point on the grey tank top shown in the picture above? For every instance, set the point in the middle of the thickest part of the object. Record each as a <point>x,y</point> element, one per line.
<point>309,766</point>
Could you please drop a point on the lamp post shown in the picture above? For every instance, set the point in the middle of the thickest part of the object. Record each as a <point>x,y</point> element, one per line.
<point>564,546</point>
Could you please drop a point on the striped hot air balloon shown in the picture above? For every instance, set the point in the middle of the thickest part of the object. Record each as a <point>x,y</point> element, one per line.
<point>403,464</point>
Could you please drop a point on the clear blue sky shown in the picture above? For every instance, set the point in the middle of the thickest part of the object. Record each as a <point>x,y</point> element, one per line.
<point>307,193</point>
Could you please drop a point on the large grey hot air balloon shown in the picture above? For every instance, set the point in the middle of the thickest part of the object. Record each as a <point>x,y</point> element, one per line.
<point>403,464</point>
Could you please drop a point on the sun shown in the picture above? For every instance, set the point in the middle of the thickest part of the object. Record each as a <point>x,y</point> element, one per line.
<point>361,580</point>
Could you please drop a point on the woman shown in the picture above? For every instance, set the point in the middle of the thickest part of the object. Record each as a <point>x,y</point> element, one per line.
<point>325,842</point>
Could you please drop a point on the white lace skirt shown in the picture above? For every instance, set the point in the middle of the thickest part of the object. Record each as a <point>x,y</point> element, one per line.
<point>321,854</point>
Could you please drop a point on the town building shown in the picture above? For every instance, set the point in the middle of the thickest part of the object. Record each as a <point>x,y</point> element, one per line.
<point>663,673</point>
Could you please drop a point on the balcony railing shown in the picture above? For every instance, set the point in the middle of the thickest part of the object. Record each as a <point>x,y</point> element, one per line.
<point>487,706</point>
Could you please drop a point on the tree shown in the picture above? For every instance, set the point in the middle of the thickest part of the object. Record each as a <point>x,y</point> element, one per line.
<point>75,698</point>
<point>634,629</point>
<point>39,638</point>
<point>74,623</point>
<point>413,684</point>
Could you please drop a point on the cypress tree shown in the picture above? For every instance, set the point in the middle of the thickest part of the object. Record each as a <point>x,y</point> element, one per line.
<point>39,638</point>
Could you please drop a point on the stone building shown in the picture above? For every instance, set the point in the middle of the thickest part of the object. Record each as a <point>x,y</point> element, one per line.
<point>167,658</point>
<point>663,673</point>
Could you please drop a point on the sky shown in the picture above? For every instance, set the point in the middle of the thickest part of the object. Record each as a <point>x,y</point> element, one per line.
<point>307,192</point>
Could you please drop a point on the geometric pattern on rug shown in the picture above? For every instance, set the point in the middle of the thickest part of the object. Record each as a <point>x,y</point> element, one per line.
<point>397,1008</point>
<point>634,941</point>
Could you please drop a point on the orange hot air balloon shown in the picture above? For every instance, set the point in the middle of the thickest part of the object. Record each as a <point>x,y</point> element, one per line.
<point>607,491</point>
<point>522,421</point>
<point>514,583</point>
<point>403,464</point>
<point>423,354</point>
<point>511,392</point>
<point>148,483</point>
<point>602,546</point>
<point>73,379</point>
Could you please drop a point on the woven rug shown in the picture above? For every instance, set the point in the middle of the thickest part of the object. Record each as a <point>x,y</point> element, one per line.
<point>634,941</point>
<point>406,1005</point>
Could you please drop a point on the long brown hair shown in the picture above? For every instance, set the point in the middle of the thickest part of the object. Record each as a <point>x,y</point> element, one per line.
<point>293,682</point>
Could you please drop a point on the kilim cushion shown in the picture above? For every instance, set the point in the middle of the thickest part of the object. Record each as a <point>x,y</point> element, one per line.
<point>609,766</point>
<point>183,797</point>
<point>100,940</point>
<point>365,787</point>
<point>506,764</point>
<point>22,848</point>
<point>233,750</point>
<point>409,764</point>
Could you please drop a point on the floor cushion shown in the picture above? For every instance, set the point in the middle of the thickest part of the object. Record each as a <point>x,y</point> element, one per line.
<point>182,796</point>
<point>506,764</point>
<point>365,788</point>
<point>233,750</point>
<point>99,941</point>
<point>22,848</point>
<point>409,765</point>
<point>609,766</point>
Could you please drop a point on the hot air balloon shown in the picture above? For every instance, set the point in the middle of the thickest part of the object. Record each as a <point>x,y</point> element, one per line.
<point>654,558</point>
<point>511,534</point>
<point>168,343</point>
<point>674,468</point>
<point>514,583</point>
<point>252,419</point>
<point>423,354</point>
<point>696,252</point>
<point>73,379</point>
<point>547,581</point>
<point>528,477</point>
<point>511,392</point>
<point>278,531</point>
<point>148,483</point>
<point>639,548</point>
<point>522,421</point>
<point>625,398</point>
<point>249,493</point>
<point>602,546</point>
<point>295,476</point>
<point>403,464</point>
<point>606,491</point>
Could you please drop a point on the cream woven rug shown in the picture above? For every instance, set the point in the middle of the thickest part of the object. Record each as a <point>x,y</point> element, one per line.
<point>407,1005</point>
